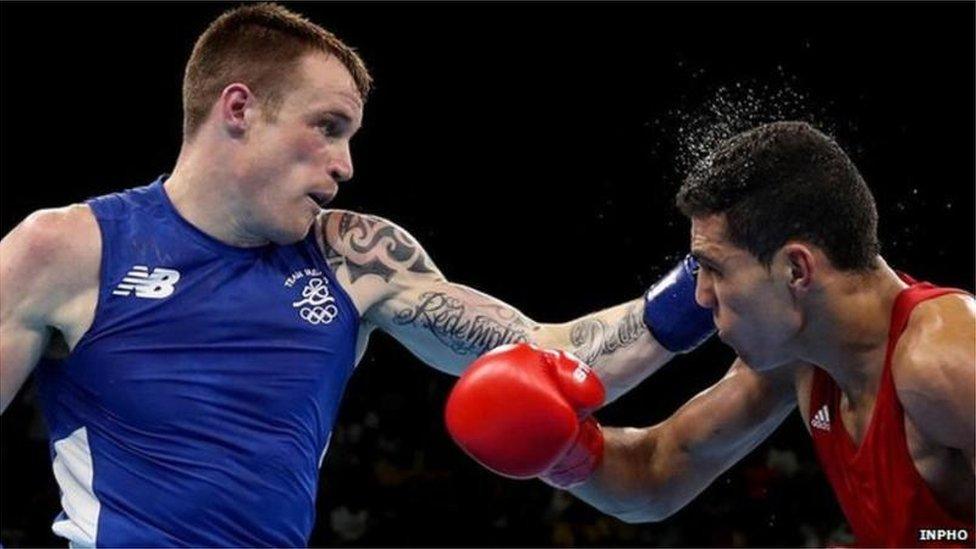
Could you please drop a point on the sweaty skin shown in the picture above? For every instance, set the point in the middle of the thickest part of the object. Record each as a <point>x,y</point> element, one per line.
<point>650,473</point>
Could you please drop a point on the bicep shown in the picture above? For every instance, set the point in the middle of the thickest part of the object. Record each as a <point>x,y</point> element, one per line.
<point>21,347</point>
<point>722,424</point>
<point>398,289</point>
<point>46,262</point>
<point>962,406</point>
<point>934,370</point>
<point>942,405</point>
<point>25,306</point>
<point>962,377</point>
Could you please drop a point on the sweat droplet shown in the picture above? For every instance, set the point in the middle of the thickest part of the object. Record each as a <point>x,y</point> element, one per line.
<point>738,107</point>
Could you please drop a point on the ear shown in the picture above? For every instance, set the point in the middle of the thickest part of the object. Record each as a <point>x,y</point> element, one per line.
<point>799,260</point>
<point>233,108</point>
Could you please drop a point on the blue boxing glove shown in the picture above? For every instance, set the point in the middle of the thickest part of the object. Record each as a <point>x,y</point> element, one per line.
<point>675,320</point>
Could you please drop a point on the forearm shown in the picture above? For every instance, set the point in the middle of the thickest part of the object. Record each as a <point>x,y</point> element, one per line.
<point>449,326</point>
<point>615,342</point>
<point>623,484</point>
<point>627,343</point>
<point>649,474</point>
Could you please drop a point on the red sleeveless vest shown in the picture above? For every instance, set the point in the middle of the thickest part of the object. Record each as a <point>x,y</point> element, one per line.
<point>885,500</point>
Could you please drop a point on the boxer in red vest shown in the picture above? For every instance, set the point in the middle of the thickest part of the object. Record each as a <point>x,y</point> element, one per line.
<point>880,366</point>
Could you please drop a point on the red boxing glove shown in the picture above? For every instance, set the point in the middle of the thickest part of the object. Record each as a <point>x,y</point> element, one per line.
<point>524,412</point>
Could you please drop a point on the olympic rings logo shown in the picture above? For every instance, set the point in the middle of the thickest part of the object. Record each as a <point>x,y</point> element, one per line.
<point>318,305</point>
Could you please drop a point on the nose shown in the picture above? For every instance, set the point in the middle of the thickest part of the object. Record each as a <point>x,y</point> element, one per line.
<point>704,290</point>
<point>341,167</point>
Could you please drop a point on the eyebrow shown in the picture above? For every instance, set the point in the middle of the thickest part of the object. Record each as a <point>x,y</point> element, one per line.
<point>704,258</point>
<point>336,113</point>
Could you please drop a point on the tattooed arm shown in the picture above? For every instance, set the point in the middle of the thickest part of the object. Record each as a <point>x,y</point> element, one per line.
<point>397,288</point>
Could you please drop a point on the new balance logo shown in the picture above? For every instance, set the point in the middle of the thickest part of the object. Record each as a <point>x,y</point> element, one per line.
<point>155,285</point>
<point>821,420</point>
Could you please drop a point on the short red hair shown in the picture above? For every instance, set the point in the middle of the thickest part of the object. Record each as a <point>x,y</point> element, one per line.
<point>259,45</point>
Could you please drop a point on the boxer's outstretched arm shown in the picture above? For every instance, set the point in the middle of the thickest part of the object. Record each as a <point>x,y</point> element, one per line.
<point>397,288</point>
<point>648,474</point>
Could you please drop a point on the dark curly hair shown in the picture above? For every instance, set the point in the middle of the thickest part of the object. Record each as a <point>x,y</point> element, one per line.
<point>787,181</point>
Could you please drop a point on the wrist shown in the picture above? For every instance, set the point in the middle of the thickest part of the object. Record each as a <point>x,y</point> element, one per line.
<point>582,458</point>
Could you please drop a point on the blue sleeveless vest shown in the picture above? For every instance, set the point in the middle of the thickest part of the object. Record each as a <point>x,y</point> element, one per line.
<point>198,406</point>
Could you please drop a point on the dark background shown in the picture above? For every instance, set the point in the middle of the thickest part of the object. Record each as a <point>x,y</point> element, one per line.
<point>534,149</point>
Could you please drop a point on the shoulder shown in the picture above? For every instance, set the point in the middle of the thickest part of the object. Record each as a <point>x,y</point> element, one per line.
<point>362,241</point>
<point>942,315</point>
<point>934,366</point>
<point>339,227</point>
<point>58,237</point>
<point>56,249</point>
<point>372,258</point>
<point>937,344</point>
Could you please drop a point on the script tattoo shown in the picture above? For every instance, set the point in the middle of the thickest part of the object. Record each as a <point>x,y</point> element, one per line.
<point>464,332</point>
<point>376,247</point>
<point>593,338</point>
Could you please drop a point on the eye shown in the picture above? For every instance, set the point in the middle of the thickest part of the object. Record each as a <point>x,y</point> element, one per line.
<point>710,269</point>
<point>333,126</point>
<point>330,127</point>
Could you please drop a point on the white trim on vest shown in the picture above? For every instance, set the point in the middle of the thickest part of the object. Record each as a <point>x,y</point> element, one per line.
<point>74,473</point>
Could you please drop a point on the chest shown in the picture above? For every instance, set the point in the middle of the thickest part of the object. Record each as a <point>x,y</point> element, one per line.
<point>206,335</point>
<point>932,461</point>
<point>855,417</point>
<point>863,435</point>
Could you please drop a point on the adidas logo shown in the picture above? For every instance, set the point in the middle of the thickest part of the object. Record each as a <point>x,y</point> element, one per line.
<point>821,420</point>
<point>158,284</point>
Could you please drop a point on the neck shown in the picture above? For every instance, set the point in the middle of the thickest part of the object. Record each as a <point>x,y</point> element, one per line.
<point>848,337</point>
<point>206,196</point>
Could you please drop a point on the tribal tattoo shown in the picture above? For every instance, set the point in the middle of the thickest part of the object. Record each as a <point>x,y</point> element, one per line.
<point>464,331</point>
<point>376,247</point>
<point>592,338</point>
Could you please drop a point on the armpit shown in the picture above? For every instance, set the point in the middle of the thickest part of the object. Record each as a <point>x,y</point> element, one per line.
<point>57,347</point>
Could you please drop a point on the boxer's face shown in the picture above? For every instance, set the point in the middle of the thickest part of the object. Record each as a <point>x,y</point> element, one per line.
<point>293,163</point>
<point>752,305</point>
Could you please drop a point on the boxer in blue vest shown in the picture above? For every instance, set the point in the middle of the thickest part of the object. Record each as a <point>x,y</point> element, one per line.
<point>210,320</point>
